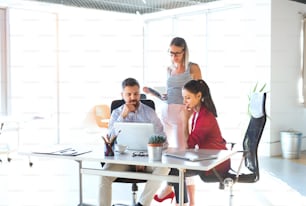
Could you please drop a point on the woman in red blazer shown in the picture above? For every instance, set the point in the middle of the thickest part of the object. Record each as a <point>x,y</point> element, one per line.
<point>204,132</point>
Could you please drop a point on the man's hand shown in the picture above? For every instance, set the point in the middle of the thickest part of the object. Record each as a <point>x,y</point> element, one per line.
<point>127,108</point>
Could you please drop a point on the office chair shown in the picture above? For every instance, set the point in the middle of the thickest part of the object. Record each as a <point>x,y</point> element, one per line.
<point>102,115</point>
<point>115,104</point>
<point>143,96</point>
<point>249,153</point>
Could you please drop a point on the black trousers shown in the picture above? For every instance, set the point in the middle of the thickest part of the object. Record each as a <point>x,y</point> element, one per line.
<point>189,173</point>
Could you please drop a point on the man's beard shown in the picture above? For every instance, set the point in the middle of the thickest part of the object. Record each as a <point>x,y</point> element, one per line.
<point>135,102</point>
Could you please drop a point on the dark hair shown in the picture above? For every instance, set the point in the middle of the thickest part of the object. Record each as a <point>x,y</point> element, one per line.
<point>196,86</point>
<point>130,82</point>
<point>180,42</point>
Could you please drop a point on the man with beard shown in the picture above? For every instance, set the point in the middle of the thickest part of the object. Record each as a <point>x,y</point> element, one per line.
<point>132,111</point>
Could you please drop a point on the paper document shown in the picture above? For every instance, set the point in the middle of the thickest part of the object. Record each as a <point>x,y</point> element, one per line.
<point>65,152</point>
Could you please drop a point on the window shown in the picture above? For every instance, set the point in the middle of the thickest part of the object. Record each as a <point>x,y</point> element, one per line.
<point>3,64</point>
<point>33,73</point>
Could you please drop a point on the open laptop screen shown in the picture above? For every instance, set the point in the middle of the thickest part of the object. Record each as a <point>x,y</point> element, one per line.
<point>134,134</point>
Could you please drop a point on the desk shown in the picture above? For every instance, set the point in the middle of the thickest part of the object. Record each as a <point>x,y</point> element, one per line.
<point>5,148</point>
<point>97,155</point>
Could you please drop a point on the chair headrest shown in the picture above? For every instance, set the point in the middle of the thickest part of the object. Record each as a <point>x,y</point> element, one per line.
<point>257,101</point>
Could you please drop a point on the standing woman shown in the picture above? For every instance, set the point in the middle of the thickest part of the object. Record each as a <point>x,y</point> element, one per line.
<point>178,73</point>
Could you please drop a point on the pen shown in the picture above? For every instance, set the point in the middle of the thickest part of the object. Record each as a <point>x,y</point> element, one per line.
<point>105,140</point>
<point>113,138</point>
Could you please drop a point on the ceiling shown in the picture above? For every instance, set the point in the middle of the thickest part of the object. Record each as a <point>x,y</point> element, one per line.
<point>129,6</point>
<point>301,1</point>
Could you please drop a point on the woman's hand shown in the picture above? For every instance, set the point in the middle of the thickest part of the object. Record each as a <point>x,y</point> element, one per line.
<point>146,90</point>
<point>164,97</point>
<point>149,90</point>
<point>186,113</point>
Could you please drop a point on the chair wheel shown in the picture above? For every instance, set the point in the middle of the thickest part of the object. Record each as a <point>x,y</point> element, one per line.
<point>30,164</point>
<point>9,159</point>
<point>228,182</point>
<point>221,186</point>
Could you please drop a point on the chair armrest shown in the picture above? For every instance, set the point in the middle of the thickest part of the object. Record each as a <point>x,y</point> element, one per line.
<point>232,144</point>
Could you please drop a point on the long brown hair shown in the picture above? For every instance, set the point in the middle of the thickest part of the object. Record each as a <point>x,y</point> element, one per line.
<point>196,86</point>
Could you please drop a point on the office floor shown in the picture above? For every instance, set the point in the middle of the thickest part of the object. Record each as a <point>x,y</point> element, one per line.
<point>55,183</point>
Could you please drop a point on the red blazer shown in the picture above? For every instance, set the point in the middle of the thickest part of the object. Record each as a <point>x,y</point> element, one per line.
<point>207,135</point>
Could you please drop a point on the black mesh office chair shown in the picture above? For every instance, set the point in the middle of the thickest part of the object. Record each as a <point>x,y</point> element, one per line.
<point>250,145</point>
<point>115,104</point>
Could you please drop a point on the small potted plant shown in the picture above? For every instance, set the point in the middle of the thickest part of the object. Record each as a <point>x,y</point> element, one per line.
<point>155,147</point>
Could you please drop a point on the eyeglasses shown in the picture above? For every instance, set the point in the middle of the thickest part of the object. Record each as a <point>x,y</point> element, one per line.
<point>140,154</point>
<point>171,53</point>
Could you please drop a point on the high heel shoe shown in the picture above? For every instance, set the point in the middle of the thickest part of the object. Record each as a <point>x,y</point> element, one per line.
<point>168,196</point>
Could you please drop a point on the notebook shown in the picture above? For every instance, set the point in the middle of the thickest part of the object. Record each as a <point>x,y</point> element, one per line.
<point>134,135</point>
<point>191,155</point>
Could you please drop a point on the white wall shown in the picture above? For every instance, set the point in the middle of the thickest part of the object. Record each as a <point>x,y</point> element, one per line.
<point>274,27</point>
<point>286,111</point>
<point>234,56</point>
<point>97,50</point>
<point>270,31</point>
<point>268,52</point>
<point>235,66</point>
<point>256,56</point>
<point>262,45</point>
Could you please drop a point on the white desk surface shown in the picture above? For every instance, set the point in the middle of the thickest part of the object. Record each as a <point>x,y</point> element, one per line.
<point>9,119</point>
<point>97,154</point>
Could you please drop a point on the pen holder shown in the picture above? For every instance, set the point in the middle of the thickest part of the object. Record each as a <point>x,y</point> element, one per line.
<point>109,149</point>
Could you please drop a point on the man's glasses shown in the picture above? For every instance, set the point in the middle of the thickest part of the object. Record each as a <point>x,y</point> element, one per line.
<point>171,53</point>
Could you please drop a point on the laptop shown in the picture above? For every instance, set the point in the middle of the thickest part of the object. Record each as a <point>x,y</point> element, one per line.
<point>191,155</point>
<point>134,135</point>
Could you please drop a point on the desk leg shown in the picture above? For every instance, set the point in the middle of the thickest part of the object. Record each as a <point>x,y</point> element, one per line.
<point>80,183</point>
<point>181,186</point>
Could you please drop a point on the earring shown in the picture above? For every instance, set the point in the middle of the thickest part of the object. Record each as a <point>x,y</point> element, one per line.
<point>202,100</point>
